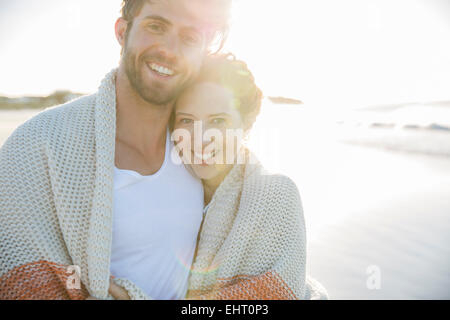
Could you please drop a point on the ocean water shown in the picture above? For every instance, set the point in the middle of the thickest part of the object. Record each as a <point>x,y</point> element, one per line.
<point>417,128</point>
<point>375,189</point>
<point>376,198</point>
<point>414,128</point>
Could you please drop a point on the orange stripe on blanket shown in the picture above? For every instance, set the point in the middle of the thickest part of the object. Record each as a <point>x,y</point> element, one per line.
<point>269,286</point>
<point>41,280</point>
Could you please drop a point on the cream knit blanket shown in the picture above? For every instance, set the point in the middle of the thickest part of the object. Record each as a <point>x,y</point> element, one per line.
<point>253,241</point>
<point>56,207</point>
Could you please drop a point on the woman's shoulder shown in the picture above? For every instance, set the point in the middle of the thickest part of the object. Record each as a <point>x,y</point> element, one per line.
<point>257,176</point>
<point>271,189</point>
<point>273,200</point>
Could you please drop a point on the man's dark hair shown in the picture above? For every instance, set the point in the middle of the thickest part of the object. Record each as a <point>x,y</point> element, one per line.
<point>132,8</point>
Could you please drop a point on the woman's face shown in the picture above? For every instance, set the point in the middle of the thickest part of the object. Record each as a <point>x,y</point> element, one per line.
<point>211,127</point>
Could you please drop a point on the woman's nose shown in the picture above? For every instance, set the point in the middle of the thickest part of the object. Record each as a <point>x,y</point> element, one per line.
<point>206,140</point>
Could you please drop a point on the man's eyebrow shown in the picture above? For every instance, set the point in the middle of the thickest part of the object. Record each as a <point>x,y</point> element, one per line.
<point>157,18</point>
<point>167,22</point>
<point>184,114</point>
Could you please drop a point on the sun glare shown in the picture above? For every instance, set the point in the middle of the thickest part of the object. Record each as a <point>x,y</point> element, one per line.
<point>66,45</point>
<point>328,53</point>
<point>347,53</point>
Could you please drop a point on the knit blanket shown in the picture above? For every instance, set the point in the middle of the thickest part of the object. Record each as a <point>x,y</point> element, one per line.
<point>253,241</point>
<point>56,214</point>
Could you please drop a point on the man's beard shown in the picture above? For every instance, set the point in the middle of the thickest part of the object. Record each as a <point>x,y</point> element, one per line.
<point>155,93</point>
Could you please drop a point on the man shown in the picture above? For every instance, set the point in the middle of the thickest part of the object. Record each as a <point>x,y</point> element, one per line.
<point>86,189</point>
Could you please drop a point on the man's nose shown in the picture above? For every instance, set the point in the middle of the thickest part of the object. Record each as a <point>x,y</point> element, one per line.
<point>171,46</point>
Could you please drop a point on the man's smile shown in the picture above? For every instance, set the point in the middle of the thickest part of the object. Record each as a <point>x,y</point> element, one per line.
<point>160,69</point>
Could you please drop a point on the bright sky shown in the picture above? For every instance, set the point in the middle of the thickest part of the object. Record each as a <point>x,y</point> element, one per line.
<point>347,52</point>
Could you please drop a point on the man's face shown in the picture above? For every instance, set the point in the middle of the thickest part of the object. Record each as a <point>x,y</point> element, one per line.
<point>164,49</point>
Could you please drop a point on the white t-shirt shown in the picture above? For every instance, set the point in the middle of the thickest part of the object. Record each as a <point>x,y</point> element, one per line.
<point>156,223</point>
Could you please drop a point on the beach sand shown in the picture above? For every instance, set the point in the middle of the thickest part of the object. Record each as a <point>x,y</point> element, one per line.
<point>366,209</point>
<point>363,207</point>
<point>397,220</point>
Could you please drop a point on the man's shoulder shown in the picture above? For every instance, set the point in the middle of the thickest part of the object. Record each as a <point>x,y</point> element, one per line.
<point>71,110</point>
<point>78,106</point>
<point>54,119</point>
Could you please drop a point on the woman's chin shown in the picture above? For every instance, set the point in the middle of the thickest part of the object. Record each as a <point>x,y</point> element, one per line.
<point>205,172</point>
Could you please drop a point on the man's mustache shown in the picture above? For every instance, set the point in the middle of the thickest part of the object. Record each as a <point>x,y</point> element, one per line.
<point>171,63</point>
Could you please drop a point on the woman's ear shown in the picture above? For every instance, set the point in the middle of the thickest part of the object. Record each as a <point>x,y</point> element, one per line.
<point>121,29</point>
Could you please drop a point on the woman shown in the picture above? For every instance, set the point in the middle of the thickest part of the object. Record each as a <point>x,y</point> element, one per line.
<point>252,243</point>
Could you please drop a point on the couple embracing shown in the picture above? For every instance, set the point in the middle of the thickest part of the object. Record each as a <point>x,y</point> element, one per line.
<point>136,189</point>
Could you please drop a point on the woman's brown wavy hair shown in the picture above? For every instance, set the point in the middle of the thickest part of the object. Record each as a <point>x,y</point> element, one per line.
<point>227,71</point>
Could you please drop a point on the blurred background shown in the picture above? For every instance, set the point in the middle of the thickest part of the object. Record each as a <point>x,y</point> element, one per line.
<point>357,112</point>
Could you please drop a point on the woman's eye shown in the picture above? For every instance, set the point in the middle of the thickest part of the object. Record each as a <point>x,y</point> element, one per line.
<point>186,121</point>
<point>218,121</point>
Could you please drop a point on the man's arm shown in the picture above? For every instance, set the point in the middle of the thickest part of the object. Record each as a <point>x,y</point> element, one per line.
<point>33,258</point>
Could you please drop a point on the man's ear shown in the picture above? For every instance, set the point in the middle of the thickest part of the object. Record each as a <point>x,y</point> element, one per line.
<point>121,29</point>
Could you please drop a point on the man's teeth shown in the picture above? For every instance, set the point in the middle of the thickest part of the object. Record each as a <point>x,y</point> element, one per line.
<point>163,70</point>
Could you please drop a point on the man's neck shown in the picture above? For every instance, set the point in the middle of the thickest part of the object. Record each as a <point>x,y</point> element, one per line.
<point>141,129</point>
<point>139,123</point>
